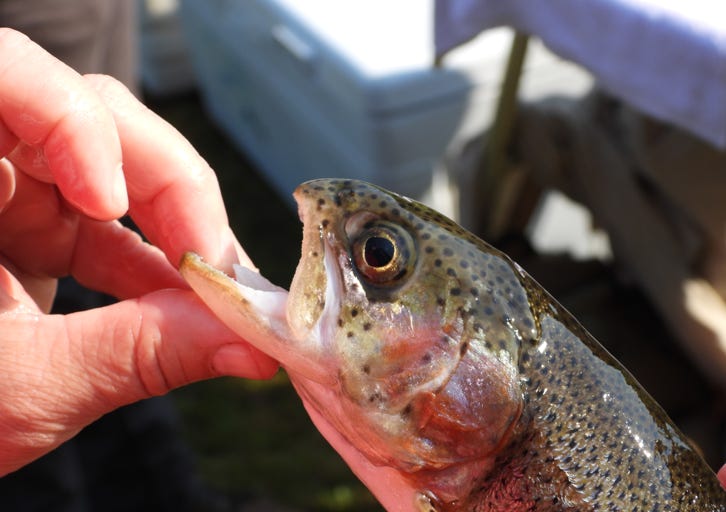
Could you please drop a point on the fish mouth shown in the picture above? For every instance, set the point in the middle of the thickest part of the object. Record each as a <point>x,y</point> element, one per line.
<point>255,309</point>
<point>317,287</point>
<point>325,327</point>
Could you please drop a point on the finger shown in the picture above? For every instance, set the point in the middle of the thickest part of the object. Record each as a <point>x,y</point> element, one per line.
<point>722,476</point>
<point>63,372</point>
<point>12,292</point>
<point>37,230</point>
<point>174,194</point>
<point>140,348</point>
<point>47,105</point>
<point>7,183</point>
<point>111,258</point>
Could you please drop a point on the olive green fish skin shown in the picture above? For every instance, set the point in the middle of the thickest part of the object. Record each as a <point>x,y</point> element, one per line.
<point>561,424</point>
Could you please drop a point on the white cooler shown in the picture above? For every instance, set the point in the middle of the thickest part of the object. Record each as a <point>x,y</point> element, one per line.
<point>323,88</point>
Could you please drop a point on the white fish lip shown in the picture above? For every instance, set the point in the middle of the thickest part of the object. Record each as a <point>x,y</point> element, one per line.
<point>255,309</point>
<point>324,329</point>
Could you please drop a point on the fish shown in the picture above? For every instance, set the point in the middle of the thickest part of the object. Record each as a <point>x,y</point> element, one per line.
<point>440,359</point>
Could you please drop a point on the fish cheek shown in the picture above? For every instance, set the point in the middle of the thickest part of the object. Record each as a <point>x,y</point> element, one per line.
<point>473,415</point>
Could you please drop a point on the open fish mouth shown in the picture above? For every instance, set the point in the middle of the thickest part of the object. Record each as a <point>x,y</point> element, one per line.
<point>256,310</point>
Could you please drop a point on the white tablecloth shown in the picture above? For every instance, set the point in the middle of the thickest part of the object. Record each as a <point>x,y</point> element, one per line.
<point>664,57</point>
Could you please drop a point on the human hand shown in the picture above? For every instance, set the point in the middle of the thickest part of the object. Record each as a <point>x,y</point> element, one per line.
<point>61,187</point>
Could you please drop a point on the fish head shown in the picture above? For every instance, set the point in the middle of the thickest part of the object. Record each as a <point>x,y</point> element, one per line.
<point>420,324</point>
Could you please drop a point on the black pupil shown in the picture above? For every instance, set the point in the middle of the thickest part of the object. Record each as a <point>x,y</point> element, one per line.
<point>378,251</point>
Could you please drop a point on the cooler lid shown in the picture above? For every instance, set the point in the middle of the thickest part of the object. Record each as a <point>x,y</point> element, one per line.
<point>384,50</point>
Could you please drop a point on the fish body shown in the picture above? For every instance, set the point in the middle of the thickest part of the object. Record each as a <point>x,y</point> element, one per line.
<point>450,364</point>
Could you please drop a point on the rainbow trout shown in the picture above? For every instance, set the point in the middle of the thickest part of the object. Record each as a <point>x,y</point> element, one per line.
<point>436,355</point>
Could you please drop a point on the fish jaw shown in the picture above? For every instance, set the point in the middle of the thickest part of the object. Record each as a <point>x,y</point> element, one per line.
<point>256,310</point>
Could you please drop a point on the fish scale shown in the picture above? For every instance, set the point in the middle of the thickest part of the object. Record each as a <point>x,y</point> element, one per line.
<point>586,436</point>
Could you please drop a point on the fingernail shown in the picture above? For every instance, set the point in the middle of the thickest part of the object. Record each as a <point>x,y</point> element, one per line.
<point>119,194</point>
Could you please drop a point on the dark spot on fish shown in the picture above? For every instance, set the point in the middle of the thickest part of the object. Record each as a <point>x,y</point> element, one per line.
<point>425,236</point>
<point>367,326</point>
<point>340,322</point>
<point>367,369</point>
<point>455,291</point>
<point>464,347</point>
<point>354,312</point>
<point>437,262</point>
<point>325,223</point>
<point>349,334</point>
<point>464,264</point>
<point>315,254</point>
<point>451,272</point>
<point>428,249</point>
<point>338,198</point>
<point>440,301</point>
<point>474,292</point>
<point>321,201</point>
<point>448,251</point>
<point>375,397</point>
<point>419,226</point>
<point>502,344</point>
<point>395,212</point>
<point>407,410</point>
<point>426,358</point>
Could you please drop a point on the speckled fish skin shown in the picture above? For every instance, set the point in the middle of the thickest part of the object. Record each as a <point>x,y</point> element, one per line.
<point>457,368</point>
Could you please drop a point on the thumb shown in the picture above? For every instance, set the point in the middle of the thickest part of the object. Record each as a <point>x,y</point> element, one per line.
<point>60,373</point>
<point>148,346</point>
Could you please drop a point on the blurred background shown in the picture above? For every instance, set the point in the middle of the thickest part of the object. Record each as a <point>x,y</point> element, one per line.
<point>609,196</point>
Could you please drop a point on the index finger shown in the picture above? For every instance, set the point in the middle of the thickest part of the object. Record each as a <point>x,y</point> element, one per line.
<point>53,121</point>
<point>174,194</point>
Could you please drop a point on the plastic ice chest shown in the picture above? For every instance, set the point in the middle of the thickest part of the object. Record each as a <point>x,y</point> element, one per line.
<point>316,88</point>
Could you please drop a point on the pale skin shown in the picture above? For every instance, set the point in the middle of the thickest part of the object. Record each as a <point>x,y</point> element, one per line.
<point>79,152</point>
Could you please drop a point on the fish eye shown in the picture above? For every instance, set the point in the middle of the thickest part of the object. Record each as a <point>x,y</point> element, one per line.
<point>379,251</point>
<point>383,253</point>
